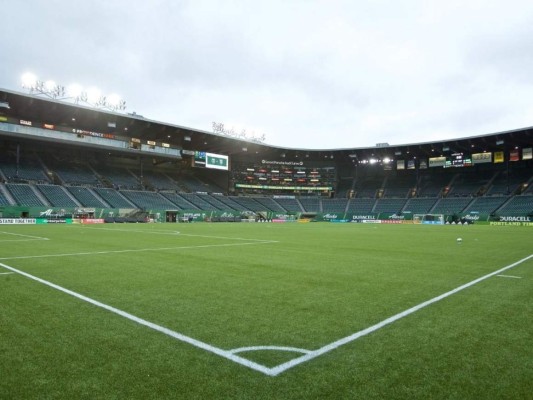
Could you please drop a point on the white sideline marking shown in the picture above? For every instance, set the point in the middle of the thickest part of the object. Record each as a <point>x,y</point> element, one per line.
<point>294,362</point>
<point>21,240</point>
<point>88,253</point>
<point>175,233</point>
<point>509,276</point>
<point>230,354</point>
<point>6,273</point>
<point>166,331</point>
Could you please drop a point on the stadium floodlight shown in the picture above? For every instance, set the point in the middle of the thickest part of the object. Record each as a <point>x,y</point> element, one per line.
<point>93,97</point>
<point>74,90</point>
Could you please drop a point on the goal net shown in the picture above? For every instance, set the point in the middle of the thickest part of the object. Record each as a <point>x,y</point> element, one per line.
<point>434,219</point>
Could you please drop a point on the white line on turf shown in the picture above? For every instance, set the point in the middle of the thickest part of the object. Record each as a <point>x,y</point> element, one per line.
<point>166,331</point>
<point>30,237</point>
<point>509,276</point>
<point>154,232</point>
<point>275,348</point>
<point>325,349</point>
<point>6,273</point>
<point>90,253</point>
<point>309,355</point>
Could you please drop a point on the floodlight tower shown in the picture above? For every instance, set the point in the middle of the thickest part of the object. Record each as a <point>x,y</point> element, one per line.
<point>91,96</point>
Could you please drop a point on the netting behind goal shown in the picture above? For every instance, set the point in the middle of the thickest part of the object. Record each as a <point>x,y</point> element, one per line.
<point>434,219</point>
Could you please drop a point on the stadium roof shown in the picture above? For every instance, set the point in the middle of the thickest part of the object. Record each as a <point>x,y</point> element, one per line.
<point>62,113</point>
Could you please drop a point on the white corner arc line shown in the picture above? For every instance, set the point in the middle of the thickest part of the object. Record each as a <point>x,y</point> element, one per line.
<point>151,325</point>
<point>229,354</point>
<point>348,339</point>
<point>275,348</point>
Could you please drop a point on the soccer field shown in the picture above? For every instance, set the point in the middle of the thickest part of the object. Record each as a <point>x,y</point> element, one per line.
<point>266,311</point>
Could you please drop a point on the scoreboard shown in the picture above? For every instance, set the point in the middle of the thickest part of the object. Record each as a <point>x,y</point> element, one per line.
<point>204,159</point>
<point>458,160</point>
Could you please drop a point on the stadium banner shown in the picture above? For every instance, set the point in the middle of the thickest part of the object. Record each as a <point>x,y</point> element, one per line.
<point>498,157</point>
<point>17,221</point>
<point>527,153</point>
<point>514,155</point>
<point>481,158</point>
<point>437,162</point>
<point>400,164</point>
<point>40,221</point>
<point>511,220</point>
<point>423,164</point>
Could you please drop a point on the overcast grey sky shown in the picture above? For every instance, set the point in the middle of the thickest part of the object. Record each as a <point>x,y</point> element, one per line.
<point>311,74</point>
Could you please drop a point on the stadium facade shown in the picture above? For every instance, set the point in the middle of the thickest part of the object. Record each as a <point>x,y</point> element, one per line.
<point>61,161</point>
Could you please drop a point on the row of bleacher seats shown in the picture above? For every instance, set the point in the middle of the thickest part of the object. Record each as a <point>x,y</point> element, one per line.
<point>437,183</point>
<point>74,196</point>
<point>29,170</point>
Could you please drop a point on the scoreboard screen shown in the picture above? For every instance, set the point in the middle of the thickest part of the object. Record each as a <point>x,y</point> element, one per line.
<point>458,160</point>
<point>204,159</point>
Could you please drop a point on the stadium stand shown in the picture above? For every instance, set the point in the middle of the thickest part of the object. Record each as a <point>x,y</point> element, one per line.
<point>389,205</point>
<point>148,200</point>
<point>24,195</point>
<point>26,171</point>
<point>57,196</point>
<point>70,174</point>
<point>291,205</point>
<point>452,205</point>
<point>120,178</point>
<point>269,204</point>
<point>431,184</point>
<point>158,181</point>
<point>178,200</point>
<point>485,205</point>
<point>344,186</point>
<point>334,205</point>
<point>248,203</point>
<point>231,204</point>
<point>199,202</point>
<point>86,197</point>
<point>400,185</point>
<point>113,198</point>
<point>310,204</point>
<point>518,205</point>
<point>420,205</point>
<point>367,187</point>
<point>4,201</point>
<point>361,206</point>
<point>509,182</point>
<point>470,183</point>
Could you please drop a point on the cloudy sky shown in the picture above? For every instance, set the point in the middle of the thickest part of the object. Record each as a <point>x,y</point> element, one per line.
<point>306,74</point>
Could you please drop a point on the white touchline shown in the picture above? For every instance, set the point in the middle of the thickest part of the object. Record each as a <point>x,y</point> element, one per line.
<point>6,273</point>
<point>290,364</point>
<point>26,236</point>
<point>89,253</point>
<point>509,276</point>
<point>131,317</point>
<point>231,354</point>
<point>173,233</point>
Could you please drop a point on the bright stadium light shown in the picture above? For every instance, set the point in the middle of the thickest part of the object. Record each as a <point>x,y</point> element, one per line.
<point>93,97</point>
<point>28,80</point>
<point>74,90</point>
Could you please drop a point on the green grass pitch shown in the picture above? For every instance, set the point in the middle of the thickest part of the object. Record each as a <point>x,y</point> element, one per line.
<point>282,290</point>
